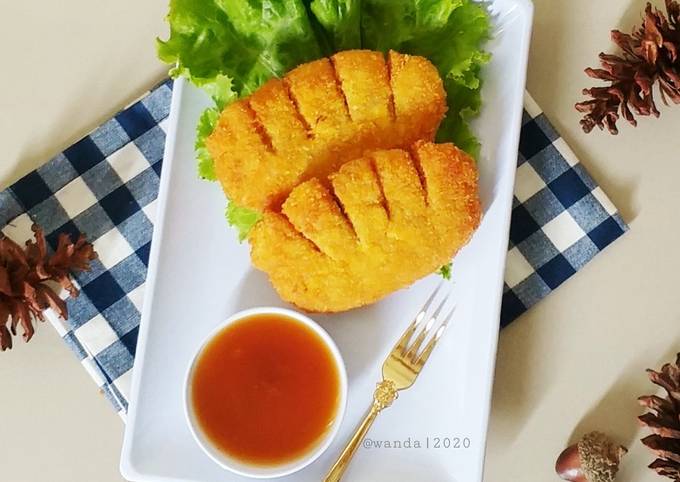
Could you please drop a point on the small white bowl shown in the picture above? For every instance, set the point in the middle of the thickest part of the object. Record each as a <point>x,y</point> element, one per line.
<point>270,471</point>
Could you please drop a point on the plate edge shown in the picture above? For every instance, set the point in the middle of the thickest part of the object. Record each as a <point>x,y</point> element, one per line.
<point>527,7</point>
<point>127,467</point>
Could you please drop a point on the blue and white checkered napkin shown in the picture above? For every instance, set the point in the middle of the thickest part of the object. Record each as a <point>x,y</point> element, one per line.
<point>106,184</point>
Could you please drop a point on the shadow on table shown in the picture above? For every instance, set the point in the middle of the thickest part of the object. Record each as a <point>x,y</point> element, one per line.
<point>616,413</point>
<point>632,17</point>
<point>515,393</point>
<point>553,63</point>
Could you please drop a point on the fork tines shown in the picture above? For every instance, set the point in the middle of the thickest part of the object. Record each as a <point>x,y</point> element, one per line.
<point>426,325</point>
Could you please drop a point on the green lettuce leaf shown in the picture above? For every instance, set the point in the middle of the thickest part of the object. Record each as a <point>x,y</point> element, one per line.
<point>230,48</point>
<point>205,126</point>
<point>221,91</point>
<point>249,41</point>
<point>445,271</point>
<point>388,24</point>
<point>243,219</point>
<point>448,32</point>
<point>341,22</point>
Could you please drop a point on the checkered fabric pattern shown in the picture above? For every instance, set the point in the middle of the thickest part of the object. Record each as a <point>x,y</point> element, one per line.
<point>106,185</point>
<point>560,217</point>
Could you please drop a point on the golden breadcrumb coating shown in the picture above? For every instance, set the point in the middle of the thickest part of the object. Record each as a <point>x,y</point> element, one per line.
<point>320,115</point>
<point>388,219</point>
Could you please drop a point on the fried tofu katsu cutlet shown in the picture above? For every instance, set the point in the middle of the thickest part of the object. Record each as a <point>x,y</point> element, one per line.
<point>356,200</point>
<point>320,115</point>
<point>387,219</point>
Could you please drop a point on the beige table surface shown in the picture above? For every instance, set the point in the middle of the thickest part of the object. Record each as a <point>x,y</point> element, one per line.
<point>573,363</point>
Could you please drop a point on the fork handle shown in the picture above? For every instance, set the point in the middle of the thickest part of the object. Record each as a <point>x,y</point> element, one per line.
<point>385,393</point>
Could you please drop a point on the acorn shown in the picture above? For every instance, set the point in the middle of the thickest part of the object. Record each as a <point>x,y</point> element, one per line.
<point>594,458</point>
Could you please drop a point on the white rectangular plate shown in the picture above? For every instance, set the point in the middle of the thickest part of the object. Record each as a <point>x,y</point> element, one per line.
<point>199,274</point>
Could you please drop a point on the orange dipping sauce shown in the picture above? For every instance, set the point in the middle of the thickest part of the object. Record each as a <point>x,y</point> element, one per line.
<point>265,389</point>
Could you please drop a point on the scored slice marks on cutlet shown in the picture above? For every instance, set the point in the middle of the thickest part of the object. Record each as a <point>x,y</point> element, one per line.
<point>365,83</point>
<point>312,210</point>
<point>359,190</point>
<point>320,115</point>
<point>401,186</point>
<point>278,116</point>
<point>386,220</point>
<point>318,97</point>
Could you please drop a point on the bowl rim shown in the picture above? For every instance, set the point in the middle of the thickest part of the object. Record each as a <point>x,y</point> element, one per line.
<point>266,472</point>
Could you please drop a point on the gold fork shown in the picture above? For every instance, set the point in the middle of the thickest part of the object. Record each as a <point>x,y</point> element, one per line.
<point>400,370</point>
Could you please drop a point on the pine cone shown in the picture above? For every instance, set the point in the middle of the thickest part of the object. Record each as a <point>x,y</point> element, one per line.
<point>664,421</point>
<point>24,294</point>
<point>650,55</point>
